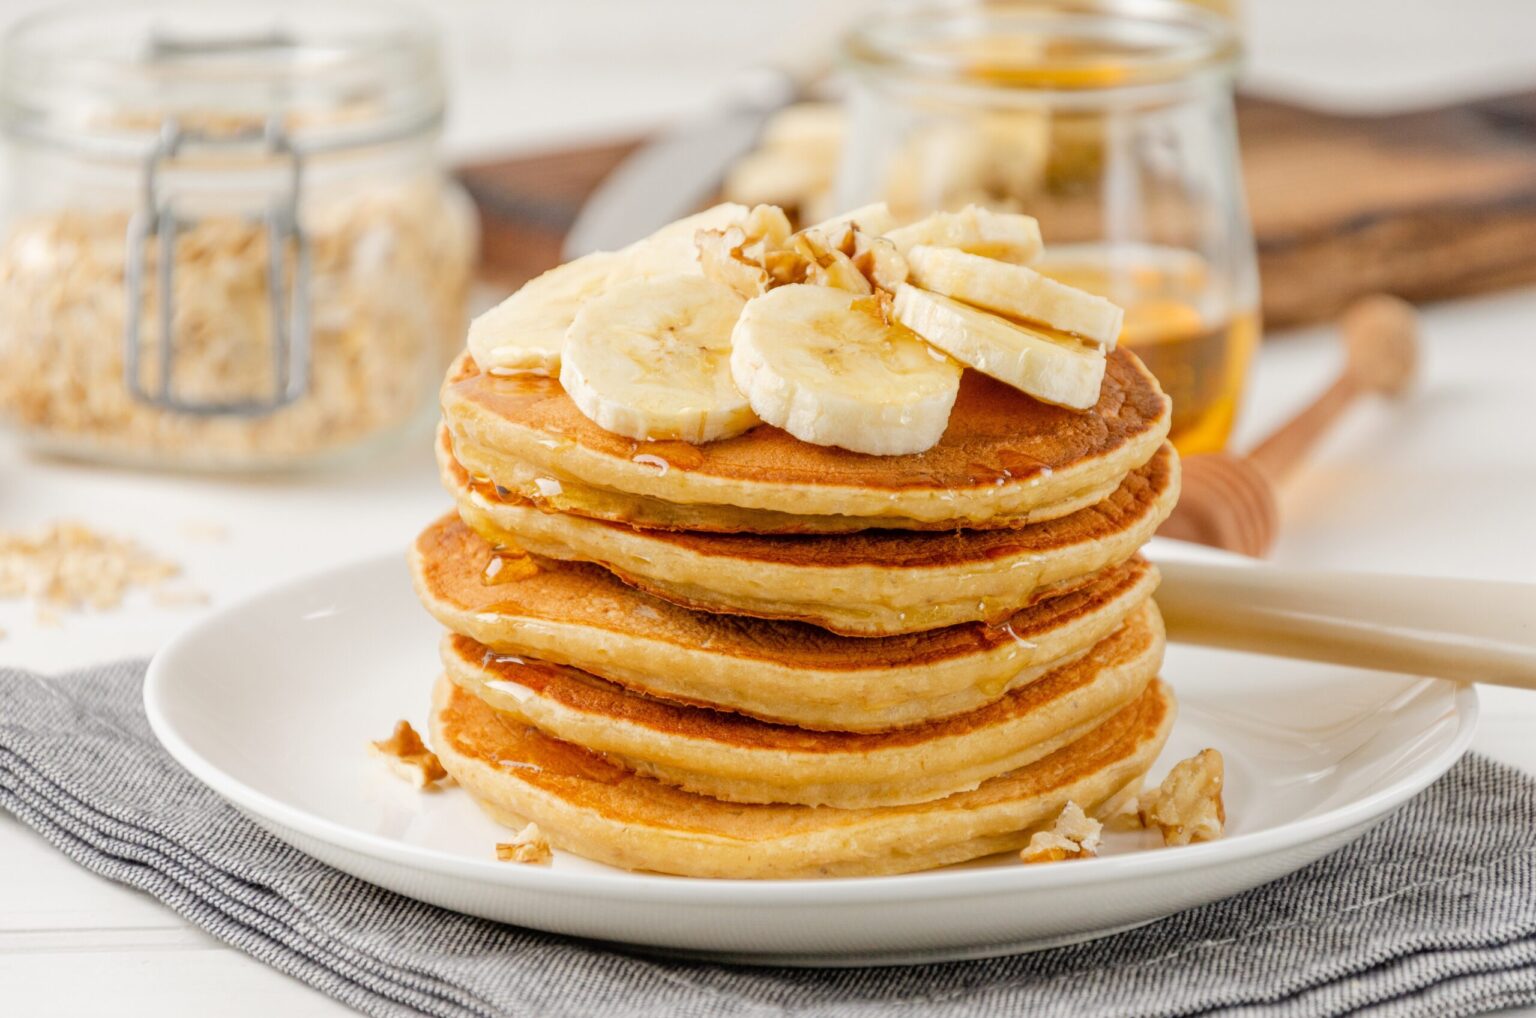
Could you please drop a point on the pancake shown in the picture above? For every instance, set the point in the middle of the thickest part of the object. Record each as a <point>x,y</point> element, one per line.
<point>580,615</point>
<point>872,583</point>
<point>554,491</point>
<point>1005,458</point>
<point>739,759</point>
<point>599,810</point>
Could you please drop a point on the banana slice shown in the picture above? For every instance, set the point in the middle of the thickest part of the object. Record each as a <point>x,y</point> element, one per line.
<point>813,126</point>
<point>1006,236</point>
<point>650,359</point>
<point>672,245</point>
<point>823,365</point>
<point>525,332</point>
<point>876,218</point>
<point>1015,291</point>
<point>1065,373</point>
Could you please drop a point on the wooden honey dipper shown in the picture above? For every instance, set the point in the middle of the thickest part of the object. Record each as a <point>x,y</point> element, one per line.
<point>1229,501</point>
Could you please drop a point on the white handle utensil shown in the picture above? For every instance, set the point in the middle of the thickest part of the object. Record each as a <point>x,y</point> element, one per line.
<point>1467,630</point>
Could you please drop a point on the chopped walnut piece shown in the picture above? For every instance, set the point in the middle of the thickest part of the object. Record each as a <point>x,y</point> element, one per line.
<point>879,260</point>
<point>1125,816</point>
<point>409,757</point>
<point>527,846</point>
<point>784,267</point>
<point>881,305</point>
<point>827,264</point>
<point>1074,835</point>
<point>1187,806</point>
<point>768,227</point>
<point>760,254</point>
<point>739,256</point>
<point>723,259</point>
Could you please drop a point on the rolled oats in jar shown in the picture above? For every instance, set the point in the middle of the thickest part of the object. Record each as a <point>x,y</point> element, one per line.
<point>271,168</point>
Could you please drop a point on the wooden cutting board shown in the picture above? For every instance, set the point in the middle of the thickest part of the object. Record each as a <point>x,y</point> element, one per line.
<point>1423,205</point>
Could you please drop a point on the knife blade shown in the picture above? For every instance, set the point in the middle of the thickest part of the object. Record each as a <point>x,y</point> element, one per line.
<point>682,169</point>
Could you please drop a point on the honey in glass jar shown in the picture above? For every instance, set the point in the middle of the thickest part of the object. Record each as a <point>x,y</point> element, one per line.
<point>1112,122</point>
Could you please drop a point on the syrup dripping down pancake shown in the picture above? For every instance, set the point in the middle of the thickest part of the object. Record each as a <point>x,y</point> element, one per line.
<point>740,759</point>
<point>873,583</point>
<point>1005,459</point>
<point>597,809</point>
<point>580,615</point>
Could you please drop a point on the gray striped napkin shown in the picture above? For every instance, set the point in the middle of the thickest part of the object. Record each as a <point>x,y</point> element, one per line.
<point>1432,913</point>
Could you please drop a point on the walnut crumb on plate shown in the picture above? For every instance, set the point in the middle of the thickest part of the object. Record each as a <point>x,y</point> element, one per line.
<point>1124,815</point>
<point>527,846</point>
<point>409,757</point>
<point>1074,835</point>
<point>1187,806</point>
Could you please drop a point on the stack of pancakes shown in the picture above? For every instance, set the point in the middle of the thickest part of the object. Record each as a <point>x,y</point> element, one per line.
<point>763,658</point>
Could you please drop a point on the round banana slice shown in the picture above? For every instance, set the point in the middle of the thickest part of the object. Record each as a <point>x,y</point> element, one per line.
<point>525,332</point>
<point>671,248</point>
<point>1006,236</point>
<point>823,365</point>
<point>1015,291</point>
<point>876,218</point>
<point>1067,373</point>
<point>650,359</point>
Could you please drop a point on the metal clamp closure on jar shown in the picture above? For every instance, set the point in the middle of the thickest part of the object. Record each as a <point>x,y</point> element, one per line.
<point>289,303</point>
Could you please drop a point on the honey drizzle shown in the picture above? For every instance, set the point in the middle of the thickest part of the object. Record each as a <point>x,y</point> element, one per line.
<point>508,564</point>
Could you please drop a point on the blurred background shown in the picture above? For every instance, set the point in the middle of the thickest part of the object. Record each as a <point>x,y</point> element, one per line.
<point>531,76</point>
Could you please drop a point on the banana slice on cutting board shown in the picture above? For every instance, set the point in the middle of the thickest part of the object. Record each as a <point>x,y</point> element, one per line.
<point>525,332</point>
<point>1015,291</point>
<point>650,359</point>
<point>822,364</point>
<point>1006,236</point>
<point>1067,373</point>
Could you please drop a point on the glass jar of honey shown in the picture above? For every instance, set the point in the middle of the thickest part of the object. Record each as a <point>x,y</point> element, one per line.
<point>1112,122</point>
<point>228,241</point>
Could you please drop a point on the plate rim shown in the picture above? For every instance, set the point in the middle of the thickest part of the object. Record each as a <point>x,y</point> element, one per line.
<point>650,888</point>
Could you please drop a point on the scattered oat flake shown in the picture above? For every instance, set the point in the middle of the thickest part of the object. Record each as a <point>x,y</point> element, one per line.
<point>179,597</point>
<point>67,566</point>
<point>409,758</point>
<point>527,846</point>
<point>203,530</point>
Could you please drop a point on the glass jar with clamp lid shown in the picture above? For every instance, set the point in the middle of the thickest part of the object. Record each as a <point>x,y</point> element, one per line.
<point>228,241</point>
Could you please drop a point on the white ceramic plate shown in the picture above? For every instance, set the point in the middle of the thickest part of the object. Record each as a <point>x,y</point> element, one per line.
<point>272,701</point>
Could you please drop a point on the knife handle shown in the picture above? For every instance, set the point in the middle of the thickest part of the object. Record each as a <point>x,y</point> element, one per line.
<point>1467,630</point>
